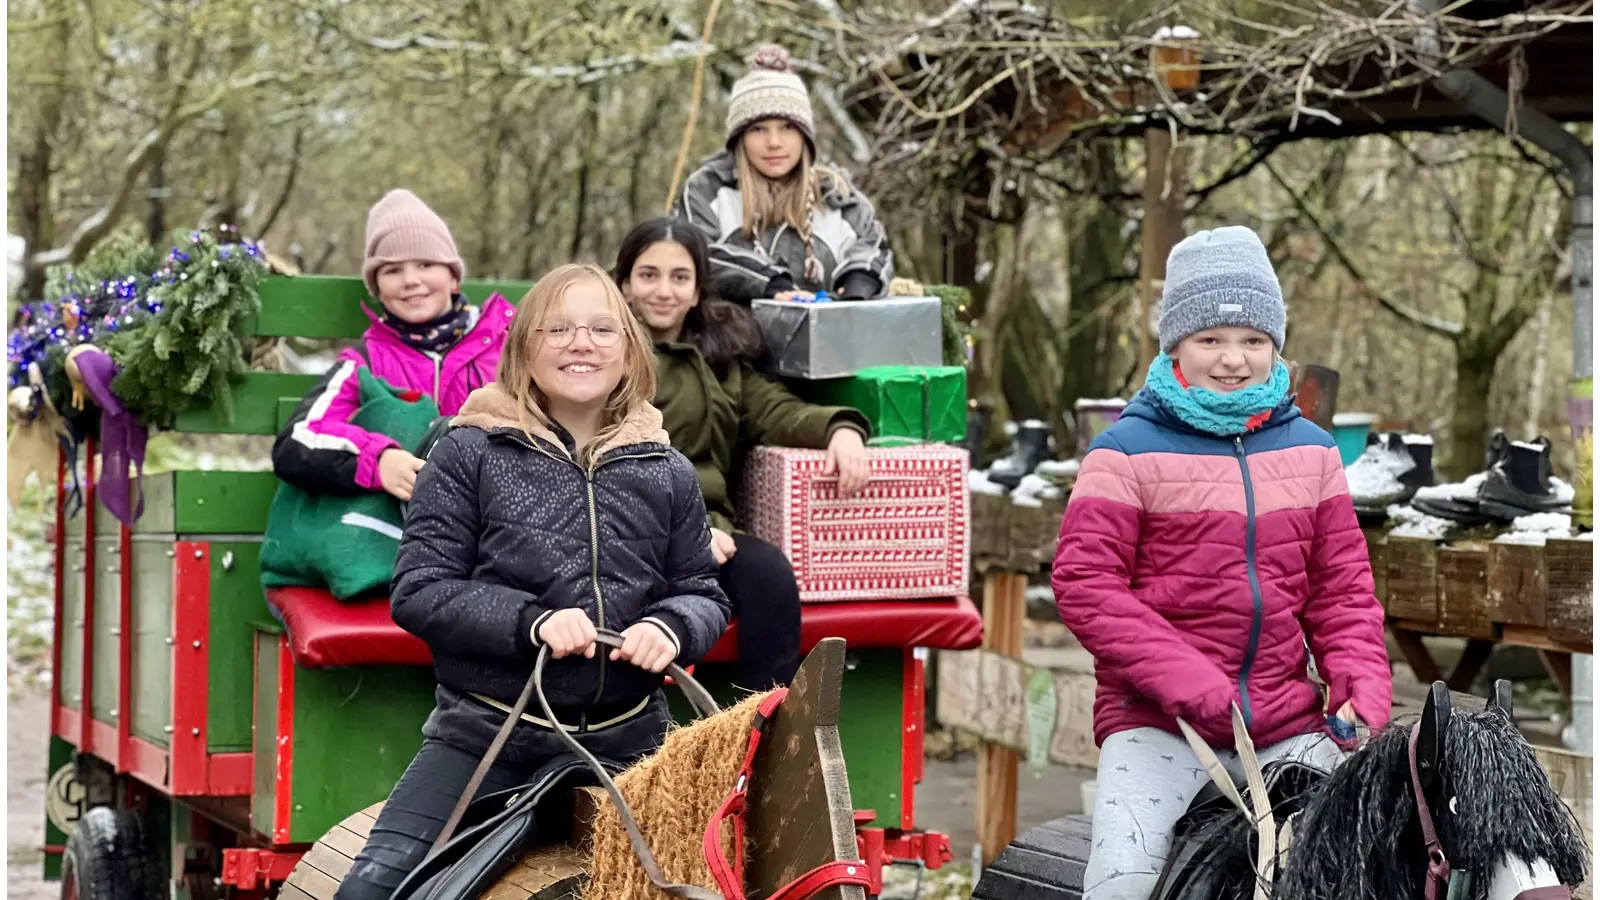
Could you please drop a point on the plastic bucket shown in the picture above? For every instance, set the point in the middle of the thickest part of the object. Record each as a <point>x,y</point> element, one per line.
<point>1350,434</point>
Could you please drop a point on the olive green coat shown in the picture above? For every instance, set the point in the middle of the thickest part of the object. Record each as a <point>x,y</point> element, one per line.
<point>712,420</point>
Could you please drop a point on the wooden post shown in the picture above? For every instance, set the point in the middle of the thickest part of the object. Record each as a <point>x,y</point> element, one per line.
<point>1165,189</point>
<point>1004,608</point>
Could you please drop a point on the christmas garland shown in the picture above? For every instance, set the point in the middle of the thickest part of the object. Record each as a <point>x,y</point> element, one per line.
<point>173,325</point>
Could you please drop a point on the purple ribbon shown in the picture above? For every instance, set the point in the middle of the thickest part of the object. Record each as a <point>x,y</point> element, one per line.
<point>122,438</point>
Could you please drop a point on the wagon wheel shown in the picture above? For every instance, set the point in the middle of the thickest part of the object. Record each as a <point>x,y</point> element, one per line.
<point>109,857</point>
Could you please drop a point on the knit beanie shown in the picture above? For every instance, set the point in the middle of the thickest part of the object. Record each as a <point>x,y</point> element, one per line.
<point>1218,278</point>
<point>401,227</point>
<point>770,90</point>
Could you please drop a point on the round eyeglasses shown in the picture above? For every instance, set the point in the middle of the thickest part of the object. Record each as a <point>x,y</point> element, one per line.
<point>561,331</point>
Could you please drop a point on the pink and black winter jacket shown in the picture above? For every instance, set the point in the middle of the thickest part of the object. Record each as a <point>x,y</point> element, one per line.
<point>319,451</point>
<point>1195,568</point>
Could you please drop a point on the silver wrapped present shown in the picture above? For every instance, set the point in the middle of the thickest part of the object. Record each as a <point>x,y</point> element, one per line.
<point>841,337</point>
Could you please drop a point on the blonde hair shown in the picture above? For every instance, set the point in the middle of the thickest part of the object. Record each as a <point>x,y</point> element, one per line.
<point>545,300</point>
<point>791,199</point>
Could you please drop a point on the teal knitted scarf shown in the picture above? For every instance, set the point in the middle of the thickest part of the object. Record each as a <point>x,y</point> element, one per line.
<point>1224,415</point>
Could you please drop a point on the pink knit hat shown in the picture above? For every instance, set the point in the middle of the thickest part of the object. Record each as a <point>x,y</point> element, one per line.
<point>401,227</point>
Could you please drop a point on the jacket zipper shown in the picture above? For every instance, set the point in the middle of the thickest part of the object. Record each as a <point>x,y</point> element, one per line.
<point>1255,581</point>
<point>438,369</point>
<point>594,549</point>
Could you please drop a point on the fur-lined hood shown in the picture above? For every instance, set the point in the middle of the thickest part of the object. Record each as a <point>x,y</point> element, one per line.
<point>490,408</point>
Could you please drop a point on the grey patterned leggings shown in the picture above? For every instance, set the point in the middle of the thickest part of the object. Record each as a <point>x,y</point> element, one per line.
<point>1147,780</point>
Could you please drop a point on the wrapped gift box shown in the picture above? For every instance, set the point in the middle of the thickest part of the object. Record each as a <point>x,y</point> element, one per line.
<point>837,338</point>
<point>926,403</point>
<point>903,537</point>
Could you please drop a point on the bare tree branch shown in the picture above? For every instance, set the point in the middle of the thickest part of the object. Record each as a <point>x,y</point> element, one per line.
<point>1416,317</point>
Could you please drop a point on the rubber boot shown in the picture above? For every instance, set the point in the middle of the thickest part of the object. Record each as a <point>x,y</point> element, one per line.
<point>1031,445</point>
<point>1520,484</point>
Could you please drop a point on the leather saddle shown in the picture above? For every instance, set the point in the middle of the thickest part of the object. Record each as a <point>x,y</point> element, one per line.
<point>1214,843</point>
<point>497,828</point>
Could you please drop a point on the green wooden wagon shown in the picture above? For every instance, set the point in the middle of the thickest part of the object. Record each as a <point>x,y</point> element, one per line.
<point>202,741</point>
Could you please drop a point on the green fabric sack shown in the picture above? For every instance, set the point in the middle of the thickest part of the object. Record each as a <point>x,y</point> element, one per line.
<point>346,544</point>
<point>920,403</point>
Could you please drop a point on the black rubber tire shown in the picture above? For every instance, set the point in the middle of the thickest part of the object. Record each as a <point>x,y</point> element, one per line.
<point>110,857</point>
<point>1044,864</point>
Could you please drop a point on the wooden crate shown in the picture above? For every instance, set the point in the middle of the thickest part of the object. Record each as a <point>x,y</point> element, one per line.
<point>985,693</point>
<point>1569,590</point>
<point>1462,571</point>
<point>1411,575</point>
<point>991,525</point>
<point>1516,584</point>
<point>1376,554</point>
<point>1035,530</point>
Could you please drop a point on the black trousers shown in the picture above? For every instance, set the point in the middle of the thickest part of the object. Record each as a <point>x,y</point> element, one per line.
<point>456,736</point>
<point>760,584</point>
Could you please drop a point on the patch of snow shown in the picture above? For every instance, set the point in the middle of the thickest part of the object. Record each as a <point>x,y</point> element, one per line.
<point>978,483</point>
<point>1033,490</point>
<point>1036,593</point>
<point>1417,440</point>
<point>1057,468</point>
<point>1527,445</point>
<point>1535,528</point>
<point>1416,524</point>
<point>1011,428</point>
<point>1464,490</point>
<point>1533,538</point>
<point>1586,536</point>
<point>1176,33</point>
<point>1109,403</point>
<point>1354,418</point>
<point>1375,474</point>
<point>1564,493</point>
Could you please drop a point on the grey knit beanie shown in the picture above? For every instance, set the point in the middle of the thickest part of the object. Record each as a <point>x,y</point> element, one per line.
<point>770,90</point>
<point>1217,278</point>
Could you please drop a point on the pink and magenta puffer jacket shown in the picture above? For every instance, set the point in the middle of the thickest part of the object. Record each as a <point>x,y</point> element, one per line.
<point>321,452</point>
<point>1196,568</point>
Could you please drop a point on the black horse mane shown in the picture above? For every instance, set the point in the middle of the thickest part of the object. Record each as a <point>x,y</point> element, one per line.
<point>1358,835</point>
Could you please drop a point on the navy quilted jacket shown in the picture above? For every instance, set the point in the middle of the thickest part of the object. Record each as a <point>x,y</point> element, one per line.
<point>503,531</point>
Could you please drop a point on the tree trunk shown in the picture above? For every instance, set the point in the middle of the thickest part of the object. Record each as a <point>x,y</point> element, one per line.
<point>155,227</point>
<point>1469,414</point>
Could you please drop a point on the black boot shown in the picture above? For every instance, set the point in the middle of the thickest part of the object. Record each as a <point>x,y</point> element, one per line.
<point>977,430</point>
<point>1031,445</point>
<point>1420,475</point>
<point>1519,485</point>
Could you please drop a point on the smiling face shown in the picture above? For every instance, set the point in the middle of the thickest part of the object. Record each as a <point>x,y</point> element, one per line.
<point>773,146</point>
<point>661,289</point>
<point>1225,359</point>
<point>583,373</point>
<point>415,291</point>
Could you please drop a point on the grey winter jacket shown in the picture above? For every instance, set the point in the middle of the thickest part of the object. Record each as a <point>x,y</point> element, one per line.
<point>846,238</point>
<point>503,531</point>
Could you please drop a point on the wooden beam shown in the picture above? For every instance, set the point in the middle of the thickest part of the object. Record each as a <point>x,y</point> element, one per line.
<point>1165,191</point>
<point>1004,609</point>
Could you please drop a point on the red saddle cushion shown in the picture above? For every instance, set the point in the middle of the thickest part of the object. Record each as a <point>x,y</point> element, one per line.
<point>326,633</point>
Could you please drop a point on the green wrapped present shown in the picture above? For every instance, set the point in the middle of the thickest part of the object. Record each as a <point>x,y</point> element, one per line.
<point>346,544</point>
<point>923,403</point>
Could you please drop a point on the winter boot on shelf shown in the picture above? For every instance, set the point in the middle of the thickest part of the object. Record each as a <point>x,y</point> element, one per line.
<point>1420,448</point>
<point>1032,444</point>
<point>1375,478</point>
<point>1522,483</point>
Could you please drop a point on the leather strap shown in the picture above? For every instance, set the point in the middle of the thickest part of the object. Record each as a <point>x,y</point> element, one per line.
<point>698,696</point>
<point>1438,864</point>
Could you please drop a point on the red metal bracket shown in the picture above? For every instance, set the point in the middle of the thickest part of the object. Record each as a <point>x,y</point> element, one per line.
<point>249,868</point>
<point>878,849</point>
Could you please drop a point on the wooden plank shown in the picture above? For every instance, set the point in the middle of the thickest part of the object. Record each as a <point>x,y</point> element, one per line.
<point>1540,639</point>
<point>1569,590</point>
<point>1516,584</point>
<point>323,306</point>
<point>328,861</point>
<point>290,892</point>
<point>255,405</point>
<point>1412,570</point>
<point>313,881</point>
<point>800,814</point>
<point>1377,549</point>
<point>206,502</point>
<point>361,823</point>
<point>1004,610</point>
<point>345,841</point>
<point>1463,598</point>
<point>504,890</point>
<point>991,525</point>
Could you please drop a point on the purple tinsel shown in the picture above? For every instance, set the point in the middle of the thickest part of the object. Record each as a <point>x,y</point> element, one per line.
<point>122,438</point>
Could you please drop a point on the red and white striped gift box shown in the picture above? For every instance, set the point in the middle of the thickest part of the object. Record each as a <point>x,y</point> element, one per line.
<point>903,537</point>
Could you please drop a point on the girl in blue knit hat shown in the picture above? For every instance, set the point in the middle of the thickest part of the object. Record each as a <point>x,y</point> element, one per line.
<point>1210,538</point>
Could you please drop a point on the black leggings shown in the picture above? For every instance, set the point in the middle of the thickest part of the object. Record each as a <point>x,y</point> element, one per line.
<point>416,810</point>
<point>760,584</point>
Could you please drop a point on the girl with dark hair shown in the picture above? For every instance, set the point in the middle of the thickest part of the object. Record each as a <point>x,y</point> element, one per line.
<point>712,403</point>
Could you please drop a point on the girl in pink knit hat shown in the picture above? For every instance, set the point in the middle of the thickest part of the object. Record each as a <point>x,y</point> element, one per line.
<point>424,336</point>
